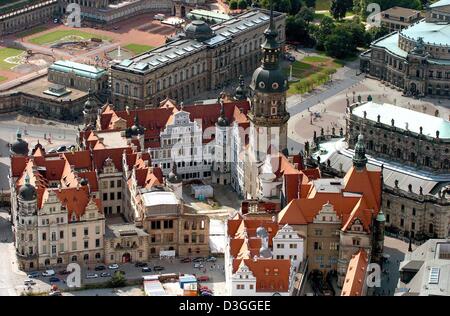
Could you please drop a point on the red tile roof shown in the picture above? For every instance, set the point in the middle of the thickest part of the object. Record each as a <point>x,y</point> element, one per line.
<point>362,203</point>
<point>356,275</point>
<point>272,275</point>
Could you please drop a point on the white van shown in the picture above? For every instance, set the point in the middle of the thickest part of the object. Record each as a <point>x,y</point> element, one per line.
<point>48,273</point>
<point>159,17</point>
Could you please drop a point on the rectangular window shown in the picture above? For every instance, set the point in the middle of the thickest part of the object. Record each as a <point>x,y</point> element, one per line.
<point>44,236</point>
<point>186,239</point>
<point>111,196</point>
<point>119,183</point>
<point>86,231</point>
<point>86,244</point>
<point>74,245</point>
<point>111,184</point>
<point>97,243</point>
<point>105,196</point>
<point>119,195</point>
<point>317,245</point>
<point>97,230</point>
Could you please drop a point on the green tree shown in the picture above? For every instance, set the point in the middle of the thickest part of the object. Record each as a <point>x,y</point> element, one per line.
<point>306,14</point>
<point>233,5</point>
<point>296,5</point>
<point>338,44</point>
<point>375,33</point>
<point>242,4</point>
<point>298,26</point>
<point>310,3</point>
<point>117,280</point>
<point>339,8</point>
<point>322,31</point>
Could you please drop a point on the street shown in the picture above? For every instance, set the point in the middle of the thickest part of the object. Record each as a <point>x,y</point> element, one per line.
<point>11,279</point>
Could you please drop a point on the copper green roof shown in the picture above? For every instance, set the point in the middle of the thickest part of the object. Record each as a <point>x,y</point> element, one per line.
<point>81,70</point>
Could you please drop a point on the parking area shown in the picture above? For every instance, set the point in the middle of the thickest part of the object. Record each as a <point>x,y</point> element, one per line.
<point>213,271</point>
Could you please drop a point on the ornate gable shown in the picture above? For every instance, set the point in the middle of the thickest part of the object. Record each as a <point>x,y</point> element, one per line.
<point>327,215</point>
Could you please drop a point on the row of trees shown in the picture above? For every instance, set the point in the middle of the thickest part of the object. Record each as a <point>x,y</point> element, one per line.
<point>306,85</point>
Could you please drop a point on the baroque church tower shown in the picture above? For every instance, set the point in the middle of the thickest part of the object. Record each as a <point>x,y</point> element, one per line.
<point>268,116</point>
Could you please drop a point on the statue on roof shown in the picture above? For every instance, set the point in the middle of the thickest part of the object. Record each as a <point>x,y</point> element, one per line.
<point>360,159</point>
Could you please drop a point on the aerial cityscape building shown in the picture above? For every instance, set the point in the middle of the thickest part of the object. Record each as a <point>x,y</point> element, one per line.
<point>211,147</point>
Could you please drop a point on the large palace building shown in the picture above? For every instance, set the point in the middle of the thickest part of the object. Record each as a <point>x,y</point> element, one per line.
<point>417,58</point>
<point>16,20</point>
<point>201,58</point>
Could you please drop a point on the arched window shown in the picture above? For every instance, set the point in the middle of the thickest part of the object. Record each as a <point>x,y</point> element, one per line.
<point>86,257</point>
<point>98,255</point>
<point>74,258</point>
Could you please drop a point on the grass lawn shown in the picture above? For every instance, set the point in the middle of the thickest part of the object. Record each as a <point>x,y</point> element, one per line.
<point>310,67</point>
<point>2,78</point>
<point>315,59</point>
<point>56,36</point>
<point>323,5</point>
<point>138,48</point>
<point>37,29</point>
<point>5,53</point>
<point>299,69</point>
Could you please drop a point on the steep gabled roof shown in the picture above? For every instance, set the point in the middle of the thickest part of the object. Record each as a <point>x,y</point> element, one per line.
<point>356,274</point>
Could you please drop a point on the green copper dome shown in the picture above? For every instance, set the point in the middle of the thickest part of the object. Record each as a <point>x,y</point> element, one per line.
<point>269,77</point>
<point>266,80</point>
<point>198,30</point>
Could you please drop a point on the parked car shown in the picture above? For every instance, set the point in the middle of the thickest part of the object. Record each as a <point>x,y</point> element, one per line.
<point>100,268</point>
<point>63,272</point>
<point>211,259</point>
<point>146,269</point>
<point>198,259</point>
<point>33,275</point>
<point>113,266</point>
<point>158,268</point>
<point>204,288</point>
<point>203,278</point>
<point>140,264</point>
<point>29,282</point>
<point>185,260</point>
<point>61,149</point>
<point>105,274</point>
<point>198,266</point>
<point>54,279</point>
<point>91,276</point>
<point>48,273</point>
